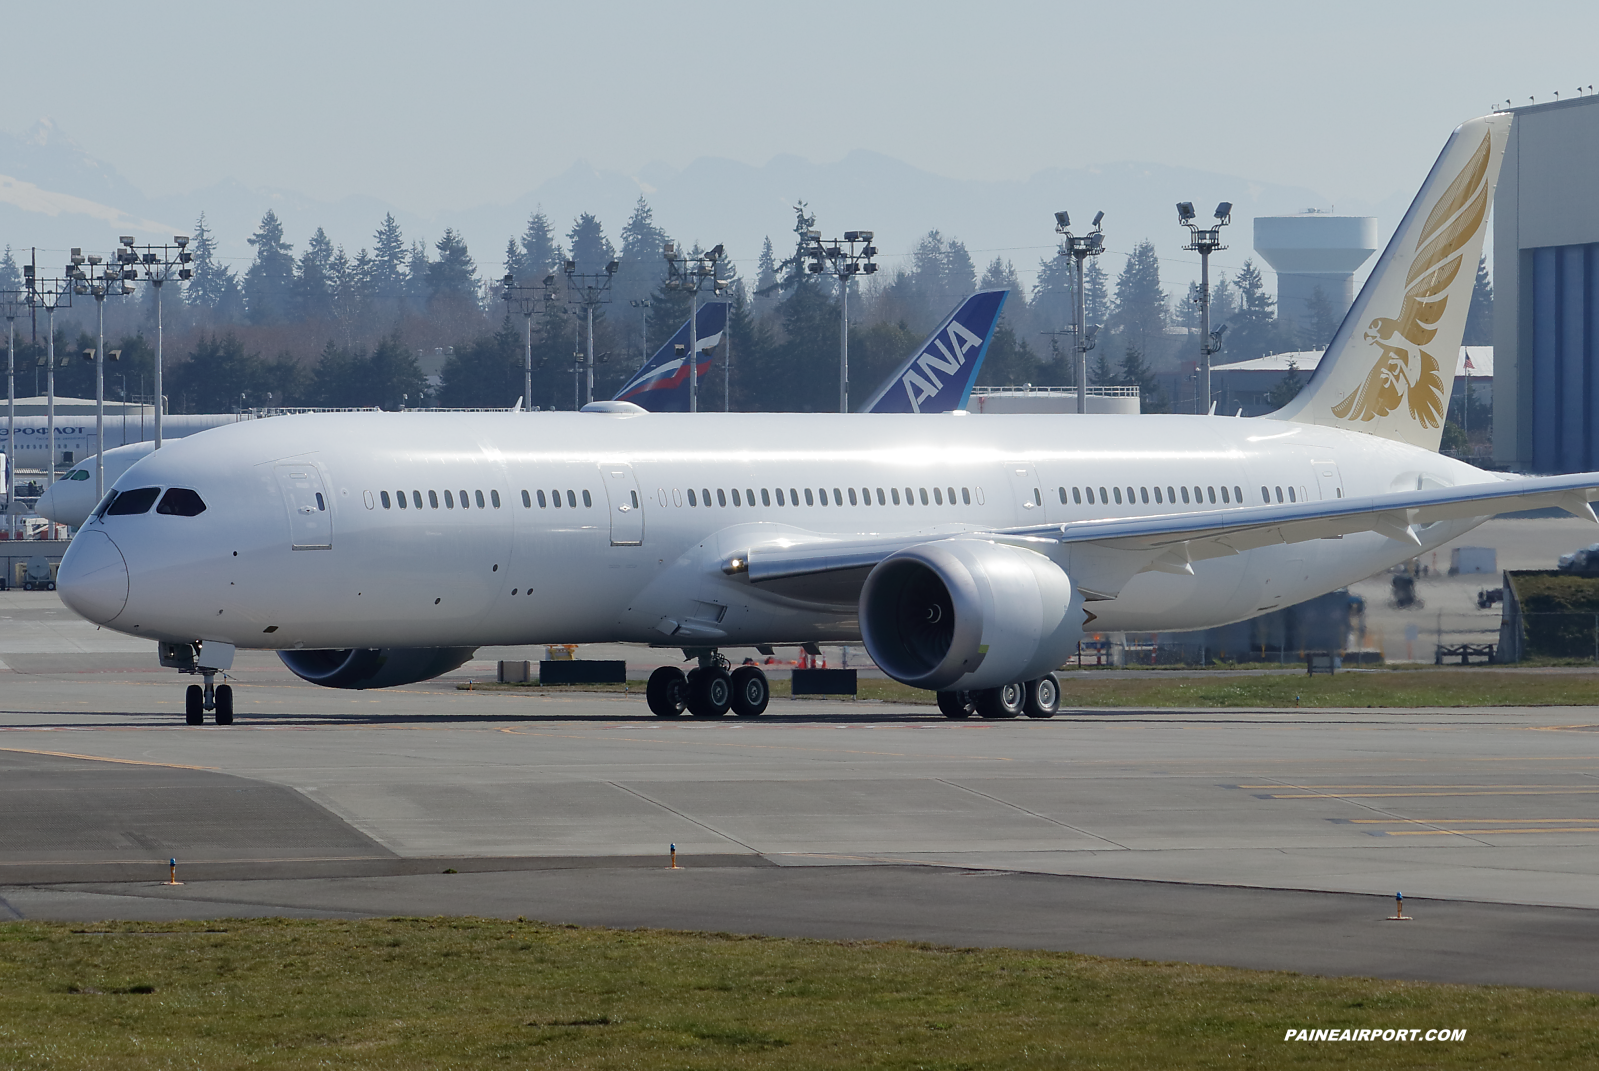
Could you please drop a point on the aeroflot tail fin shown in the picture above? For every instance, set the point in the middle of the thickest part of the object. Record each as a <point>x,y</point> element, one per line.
<point>1391,364</point>
<point>938,377</point>
<point>661,384</point>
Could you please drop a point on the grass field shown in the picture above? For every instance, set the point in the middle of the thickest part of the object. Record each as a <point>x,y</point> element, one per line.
<point>1398,688</point>
<point>473,993</point>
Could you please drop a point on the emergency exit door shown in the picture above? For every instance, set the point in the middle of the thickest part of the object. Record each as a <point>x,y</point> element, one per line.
<point>627,513</point>
<point>305,495</point>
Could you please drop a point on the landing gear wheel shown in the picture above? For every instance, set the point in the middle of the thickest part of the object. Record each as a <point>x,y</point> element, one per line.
<point>194,705</point>
<point>710,692</point>
<point>224,695</point>
<point>1043,697</point>
<point>1005,701</point>
<point>751,693</point>
<point>955,705</point>
<point>666,692</point>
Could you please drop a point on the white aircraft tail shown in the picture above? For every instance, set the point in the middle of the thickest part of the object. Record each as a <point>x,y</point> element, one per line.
<point>1390,366</point>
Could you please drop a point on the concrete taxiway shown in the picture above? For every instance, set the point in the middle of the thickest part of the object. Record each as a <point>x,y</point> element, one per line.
<point>1259,838</point>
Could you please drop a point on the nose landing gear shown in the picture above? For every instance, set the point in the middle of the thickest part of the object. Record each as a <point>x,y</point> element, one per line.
<point>184,657</point>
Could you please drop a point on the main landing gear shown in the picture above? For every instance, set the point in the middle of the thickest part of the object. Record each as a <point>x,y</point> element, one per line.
<point>1036,699</point>
<point>709,690</point>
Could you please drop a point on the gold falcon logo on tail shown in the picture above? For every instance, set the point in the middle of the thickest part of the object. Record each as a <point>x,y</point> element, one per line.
<point>1404,372</point>
<point>1389,366</point>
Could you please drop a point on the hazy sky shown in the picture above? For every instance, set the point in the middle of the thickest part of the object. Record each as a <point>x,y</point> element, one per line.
<point>444,106</point>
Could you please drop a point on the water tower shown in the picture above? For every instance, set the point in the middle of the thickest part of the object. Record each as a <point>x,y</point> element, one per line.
<point>1315,249</point>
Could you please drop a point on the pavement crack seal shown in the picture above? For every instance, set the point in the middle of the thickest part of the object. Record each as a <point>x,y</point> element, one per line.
<point>103,758</point>
<point>708,828</point>
<point>1035,814</point>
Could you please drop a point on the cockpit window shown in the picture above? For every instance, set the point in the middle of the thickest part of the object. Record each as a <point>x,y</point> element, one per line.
<point>181,502</point>
<point>105,504</point>
<point>139,500</point>
<point>78,474</point>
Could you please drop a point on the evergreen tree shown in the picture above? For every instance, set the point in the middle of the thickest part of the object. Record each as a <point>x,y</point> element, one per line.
<point>541,255</point>
<point>453,275</point>
<point>1287,388</point>
<point>1001,275</point>
<point>1096,293</point>
<point>1140,311</point>
<point>415,291</point>
<point>269,282</point>
<point>313,282</point>
<point>515,260</point>
<point>1319,323</point>
<point>1135,372</point>
<point>1480,313</point>
<point>488,371</point>
<point>217,373</point>
<point>1054,301</point>
<point>336,377</point>
<point>359,284</point>
<point>643,263</point>
<point>213,283</point>
<point>1010,360</point>
<point>765,280</point>
<point>1223,302</point>
<point>393,378</point>
<point>1100,373</point>
<point>386,279</point>
<point>1187,314</point>
<point>591,250</point>
<point>10,274</point>
<point>1252,330</point>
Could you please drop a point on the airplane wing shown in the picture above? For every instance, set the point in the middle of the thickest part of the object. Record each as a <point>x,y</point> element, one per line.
<point>1120,548</point>
<point>661,384</point>
<point>938,377</point>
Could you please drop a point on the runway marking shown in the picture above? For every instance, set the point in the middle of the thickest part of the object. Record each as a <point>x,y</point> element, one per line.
<point>1483,832</point>
<point>1035,814</point>
<point>1475,821</point>
<point>1369,785</point>
<point>102,758</point>
<point>1407,795</point>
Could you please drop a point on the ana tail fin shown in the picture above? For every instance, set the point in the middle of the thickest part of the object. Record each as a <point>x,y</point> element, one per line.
<point>938,377</point>
<point>1390,366</point>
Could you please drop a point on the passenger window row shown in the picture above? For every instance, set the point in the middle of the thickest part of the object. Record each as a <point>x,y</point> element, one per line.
<point>821,496</point>
<point>555,499</point>
<point>466,499</point>
<point>1137,495</point>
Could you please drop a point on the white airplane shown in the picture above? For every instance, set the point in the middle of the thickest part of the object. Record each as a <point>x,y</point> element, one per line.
<point>968,554</point>
<point>71,499</point>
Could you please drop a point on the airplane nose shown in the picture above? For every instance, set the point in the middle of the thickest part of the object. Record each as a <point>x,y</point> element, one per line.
<point>46,505</point>
<point>93,578</point>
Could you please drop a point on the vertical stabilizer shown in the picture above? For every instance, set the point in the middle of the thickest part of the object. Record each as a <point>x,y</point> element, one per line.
<point>1390,366</point>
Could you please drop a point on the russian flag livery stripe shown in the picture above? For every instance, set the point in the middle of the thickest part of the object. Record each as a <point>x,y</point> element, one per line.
<point>662,384</point>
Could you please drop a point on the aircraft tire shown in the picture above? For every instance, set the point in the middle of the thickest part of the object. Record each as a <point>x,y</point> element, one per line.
<point>194,705</point>
<point>224,714</point>
<point>955,705</point>
<point>751,692</point>
<point>1043,697</point>
<point>666,692</point>
<point>710,692</point>
<point>1006,701</point>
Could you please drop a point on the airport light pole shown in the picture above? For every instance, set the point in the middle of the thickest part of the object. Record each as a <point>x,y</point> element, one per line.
<point>842,259</point>
<point>529,301</point>
<point>159,263</point>
<point>1080,248</point>
<point>1205,241</point>
<point>100,281</point>
<point>12,303</point>
<point>589,290</point>
<point>49,294</point>
<point>691,272</point>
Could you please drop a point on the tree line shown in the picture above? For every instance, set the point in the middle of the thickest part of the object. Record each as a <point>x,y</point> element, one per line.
<point>326,328</point>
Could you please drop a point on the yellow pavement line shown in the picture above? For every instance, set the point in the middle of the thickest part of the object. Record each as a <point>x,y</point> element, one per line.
<point>1368,785</point>
<point>102,758</point>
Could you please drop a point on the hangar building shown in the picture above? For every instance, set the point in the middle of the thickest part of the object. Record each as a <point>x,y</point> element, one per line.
<point>1546,290</point>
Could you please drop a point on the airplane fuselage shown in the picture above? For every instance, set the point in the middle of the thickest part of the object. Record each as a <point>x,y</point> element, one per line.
<point>582,527</point>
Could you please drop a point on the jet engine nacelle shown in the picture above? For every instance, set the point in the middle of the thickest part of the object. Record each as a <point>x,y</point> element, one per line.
<point>965,614</point>
<point>374,667</point>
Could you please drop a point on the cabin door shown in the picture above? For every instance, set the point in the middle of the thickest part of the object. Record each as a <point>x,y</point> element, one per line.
<point>305,495</point>
<point>626,506</point>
